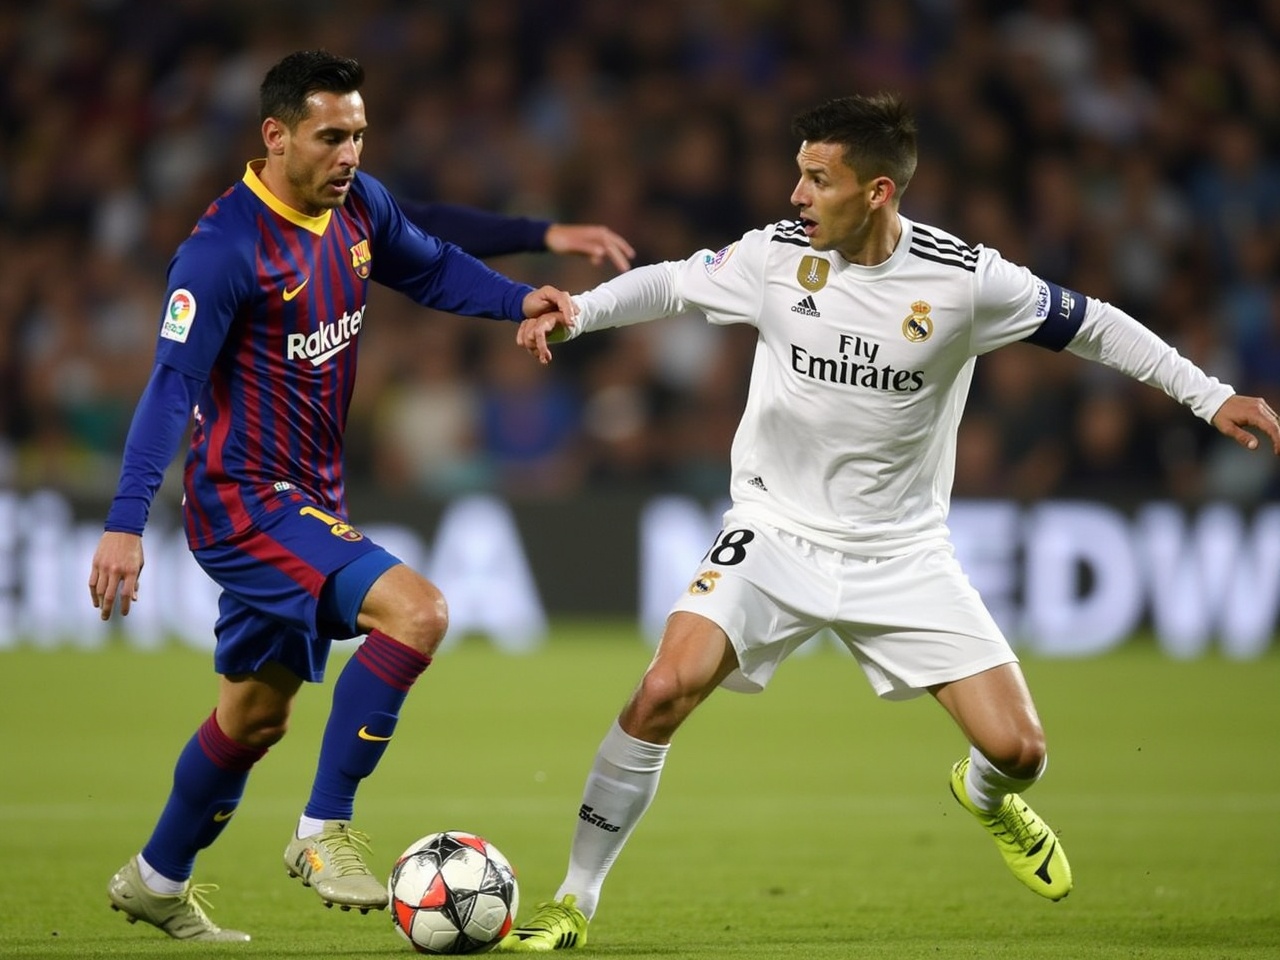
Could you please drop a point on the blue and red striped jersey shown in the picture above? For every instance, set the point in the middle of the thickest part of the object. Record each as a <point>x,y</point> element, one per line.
<point>265,307</point>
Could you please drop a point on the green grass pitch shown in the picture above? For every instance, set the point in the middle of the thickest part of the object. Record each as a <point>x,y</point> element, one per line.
<point>812,821</point>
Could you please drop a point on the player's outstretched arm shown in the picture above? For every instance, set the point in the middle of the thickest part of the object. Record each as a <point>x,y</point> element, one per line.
<point>1240,413</point>
<point>593,241</point>
<point>117,565</point>
<point>483,234</point>
<point>637,296</point>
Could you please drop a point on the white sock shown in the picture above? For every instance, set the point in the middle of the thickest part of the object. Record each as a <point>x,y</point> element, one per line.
<point>309,827</point>
<point>157,882</point>
<point>987,786</point>
<point>619,789</point>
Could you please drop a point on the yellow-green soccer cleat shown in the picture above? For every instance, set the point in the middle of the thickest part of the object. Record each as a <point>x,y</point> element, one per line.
<point>1028,846</point>
<point>182,915</point>
<point>333,863</point>
<point>557,925</point>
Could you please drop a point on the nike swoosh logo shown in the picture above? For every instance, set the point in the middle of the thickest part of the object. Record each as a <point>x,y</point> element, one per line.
<point>222,816</point>
<point>290,294</point>
<point>364,734</point>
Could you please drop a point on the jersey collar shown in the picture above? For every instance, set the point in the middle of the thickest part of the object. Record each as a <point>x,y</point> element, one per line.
<point>886,266</point>
<point>316,225</point>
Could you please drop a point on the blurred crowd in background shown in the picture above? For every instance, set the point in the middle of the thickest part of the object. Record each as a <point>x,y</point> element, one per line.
<point>1126,149</point>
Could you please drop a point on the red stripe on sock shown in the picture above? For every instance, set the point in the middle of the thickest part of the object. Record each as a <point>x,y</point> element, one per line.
<point>396,664</point>
<point>224,751</point>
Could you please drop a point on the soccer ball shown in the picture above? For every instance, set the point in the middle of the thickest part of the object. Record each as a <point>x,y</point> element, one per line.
<point>453,892</point>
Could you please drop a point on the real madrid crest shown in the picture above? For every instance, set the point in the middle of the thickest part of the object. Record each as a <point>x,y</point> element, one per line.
<point>812,273</point>
<point>704,582</point>
<point>919,326</point>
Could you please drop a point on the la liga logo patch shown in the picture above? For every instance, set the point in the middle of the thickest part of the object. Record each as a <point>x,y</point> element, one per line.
<point>713,262</point>
<point>179,315</point>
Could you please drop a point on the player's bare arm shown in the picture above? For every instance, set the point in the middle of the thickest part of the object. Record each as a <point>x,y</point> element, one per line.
<point>596,243</point>
<point>1239,413</point>
<point>117,565</point>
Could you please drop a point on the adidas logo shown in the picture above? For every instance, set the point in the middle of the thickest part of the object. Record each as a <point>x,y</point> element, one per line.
<point>757,481</point>
<point>806,307</point>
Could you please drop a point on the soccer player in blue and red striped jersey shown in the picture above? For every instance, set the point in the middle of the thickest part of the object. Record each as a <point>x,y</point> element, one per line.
<point>266,301</point>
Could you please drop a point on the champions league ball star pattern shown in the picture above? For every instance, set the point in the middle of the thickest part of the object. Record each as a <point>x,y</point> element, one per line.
<point>451,893</point>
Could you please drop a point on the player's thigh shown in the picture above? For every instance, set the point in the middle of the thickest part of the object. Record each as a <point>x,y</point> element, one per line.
<point>279,567</point>
<point>693,657</point>
<point>915,621</point>
<point>406,605</point>
<point>273,579</point>
<point>768,592</point>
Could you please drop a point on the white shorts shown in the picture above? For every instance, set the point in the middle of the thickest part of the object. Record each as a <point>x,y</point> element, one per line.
<point>911,621</point>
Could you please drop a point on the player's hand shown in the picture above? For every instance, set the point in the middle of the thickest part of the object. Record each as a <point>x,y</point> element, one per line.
<point>549,300</point>
<point>534,334</point>
<point>592,241</point>
<point>1240,412</point>
<point>117,566</point>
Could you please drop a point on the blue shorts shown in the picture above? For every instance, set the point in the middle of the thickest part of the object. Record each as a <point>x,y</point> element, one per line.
<point>279,603</point>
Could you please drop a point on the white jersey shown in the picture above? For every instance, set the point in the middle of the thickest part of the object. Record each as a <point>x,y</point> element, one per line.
<point>861,373</point>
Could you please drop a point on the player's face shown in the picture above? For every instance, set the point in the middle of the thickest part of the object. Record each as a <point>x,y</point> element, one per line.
<point>321,154</point>
<point>835,206</point>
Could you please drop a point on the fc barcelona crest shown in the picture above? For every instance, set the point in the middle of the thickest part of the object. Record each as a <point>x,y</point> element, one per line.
<point>361,259</point>
<point>812,273</point>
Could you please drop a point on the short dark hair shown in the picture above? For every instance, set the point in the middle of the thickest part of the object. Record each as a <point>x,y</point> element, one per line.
<point>287,85</point>
<point>878,134</point>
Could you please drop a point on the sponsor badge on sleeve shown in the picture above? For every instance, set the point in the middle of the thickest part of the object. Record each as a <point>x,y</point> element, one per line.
<point>178,316</point>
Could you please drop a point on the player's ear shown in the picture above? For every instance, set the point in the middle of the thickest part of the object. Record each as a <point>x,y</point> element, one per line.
<point>274,135</point>
<point>883,190</point>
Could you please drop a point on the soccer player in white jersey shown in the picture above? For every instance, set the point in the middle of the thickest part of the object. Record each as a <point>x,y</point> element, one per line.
<point>868,326</point>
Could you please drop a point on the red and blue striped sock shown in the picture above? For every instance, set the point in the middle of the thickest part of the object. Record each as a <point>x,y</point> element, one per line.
<point>366,705</point>
<point>208,782</point>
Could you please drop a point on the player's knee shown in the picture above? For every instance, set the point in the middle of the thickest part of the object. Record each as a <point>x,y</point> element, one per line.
<point>662,702</point>
<point>260,729</point>
<point>423,620</point>
<point>267,734</point>
<point>1021,755</point>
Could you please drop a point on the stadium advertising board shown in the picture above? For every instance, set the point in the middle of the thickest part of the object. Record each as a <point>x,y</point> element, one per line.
<point>1062,578</point>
